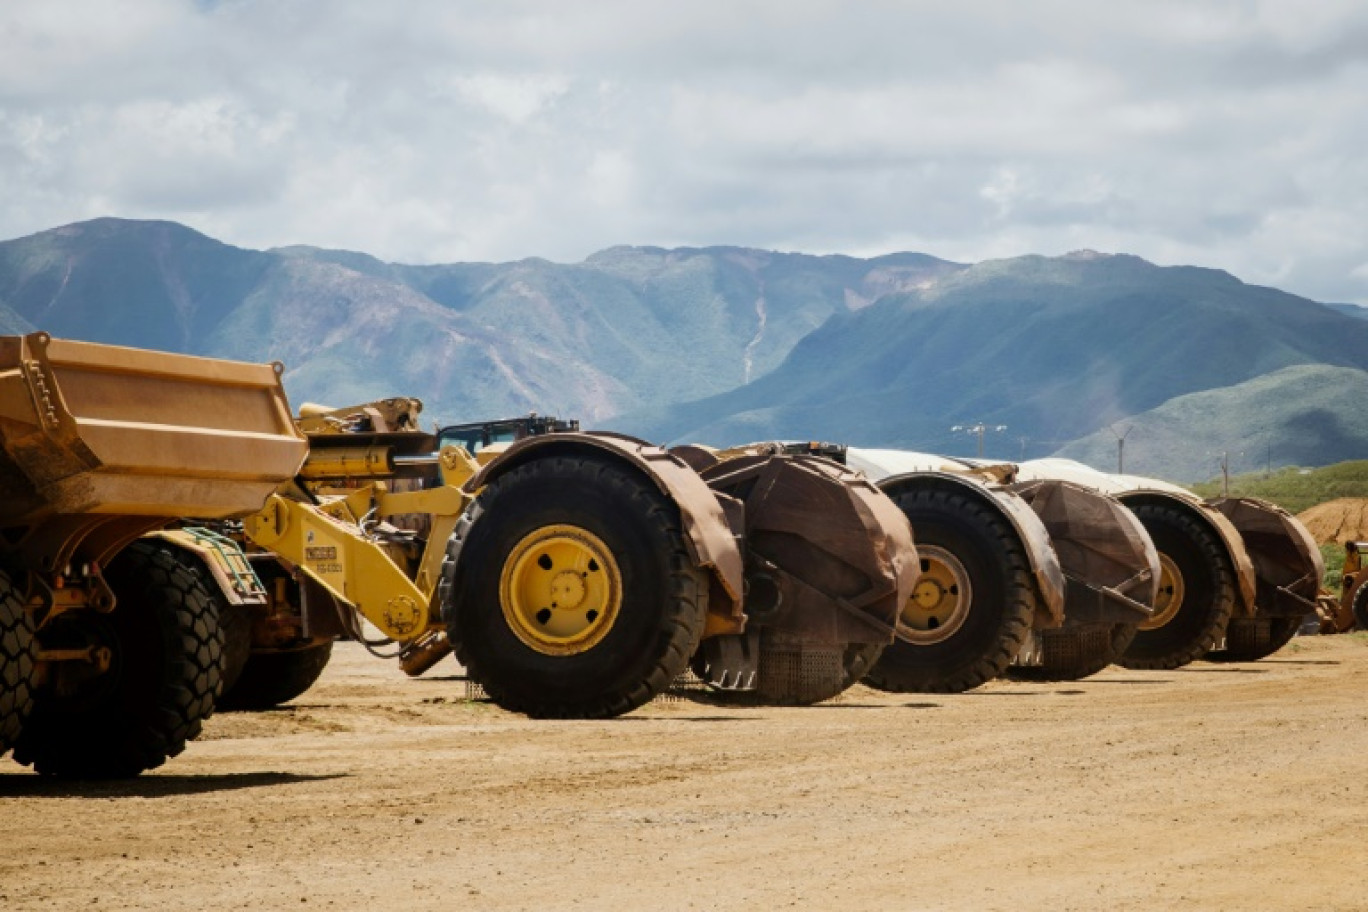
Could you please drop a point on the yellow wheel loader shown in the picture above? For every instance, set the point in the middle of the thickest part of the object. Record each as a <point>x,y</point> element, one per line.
<point>1349,609</point>
<point>574,574</point>
<point>768,575</point>
<point>821,600</point>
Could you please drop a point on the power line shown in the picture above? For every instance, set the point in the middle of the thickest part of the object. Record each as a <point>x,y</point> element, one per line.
<point>980,429</point>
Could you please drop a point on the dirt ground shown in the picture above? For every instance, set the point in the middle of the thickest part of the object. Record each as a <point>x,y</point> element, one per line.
<point>1217,787</point>
<point>1335,521</point>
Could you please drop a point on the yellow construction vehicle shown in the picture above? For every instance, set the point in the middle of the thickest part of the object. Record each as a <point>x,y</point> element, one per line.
<point>822,559</point>
<point>573,574</point>
<point>1347,610</point>
<point>113,652</point>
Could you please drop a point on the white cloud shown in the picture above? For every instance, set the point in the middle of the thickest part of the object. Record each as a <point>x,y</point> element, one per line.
<point>1224,134</point>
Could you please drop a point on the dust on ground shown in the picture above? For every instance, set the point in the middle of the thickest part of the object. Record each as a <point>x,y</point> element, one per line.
<point>1213,786</point>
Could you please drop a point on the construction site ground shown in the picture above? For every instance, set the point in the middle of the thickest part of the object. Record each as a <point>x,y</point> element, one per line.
<point>1210,787</point>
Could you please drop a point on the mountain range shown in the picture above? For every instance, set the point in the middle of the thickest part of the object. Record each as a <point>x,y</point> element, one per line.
<point>728,344</point>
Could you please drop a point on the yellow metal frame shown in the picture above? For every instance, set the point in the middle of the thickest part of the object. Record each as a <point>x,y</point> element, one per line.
<point>328,543</point>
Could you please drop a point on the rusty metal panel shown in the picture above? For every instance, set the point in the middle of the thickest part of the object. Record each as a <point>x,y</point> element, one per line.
<point>1106,554</point>
<point>829,558</point>
<point>1135,489</point>
<point>1287,562</point>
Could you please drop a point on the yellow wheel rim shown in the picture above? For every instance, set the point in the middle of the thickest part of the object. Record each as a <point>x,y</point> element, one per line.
<point>560,590</point>
<point>1170,597</point>
<point>940,601</point>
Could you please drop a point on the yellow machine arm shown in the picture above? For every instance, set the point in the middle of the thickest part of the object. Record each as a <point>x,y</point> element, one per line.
<point>329,543</point>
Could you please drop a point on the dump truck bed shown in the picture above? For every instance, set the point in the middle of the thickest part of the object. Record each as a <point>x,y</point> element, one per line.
<point>102,429</point>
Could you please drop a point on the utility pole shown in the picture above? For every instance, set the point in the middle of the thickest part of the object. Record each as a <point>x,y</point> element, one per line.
<point>980,429</point>
<point>1225,470</point>
<point>1120,446</point>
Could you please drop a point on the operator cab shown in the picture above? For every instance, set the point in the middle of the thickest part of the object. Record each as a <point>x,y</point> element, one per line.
<point>483,435</point>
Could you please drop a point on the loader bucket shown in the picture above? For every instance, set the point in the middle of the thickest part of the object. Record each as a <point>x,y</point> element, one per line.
<point>90,434</point>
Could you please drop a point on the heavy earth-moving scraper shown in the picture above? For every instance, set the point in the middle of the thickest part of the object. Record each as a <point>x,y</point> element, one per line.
<point>575,574</point>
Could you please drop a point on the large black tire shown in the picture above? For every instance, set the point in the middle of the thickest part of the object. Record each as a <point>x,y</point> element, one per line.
<point>857,662</point>
<point>18,658</point>
<point>1359,607</point>
<point>619,666</point>
<point>999,612</point>
<point>236,621</point>
<point>162,681</point>
<point>1074,653</point>
<point>1207,584</point>
<point>271,677</point>
<point>1251,639</point>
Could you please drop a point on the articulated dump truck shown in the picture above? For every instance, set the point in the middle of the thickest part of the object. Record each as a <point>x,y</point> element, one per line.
<point>168,527</point>
<point>112,651</point>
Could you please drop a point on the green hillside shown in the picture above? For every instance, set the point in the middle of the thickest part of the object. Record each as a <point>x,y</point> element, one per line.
<point>1296,489</point>
<point>1303,415</point>
<point>149,284</point>
<point>1052,348</point>
<point>727,344</point>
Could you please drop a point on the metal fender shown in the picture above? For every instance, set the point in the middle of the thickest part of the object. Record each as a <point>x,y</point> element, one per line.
<point>1287,561</point>
<point>1136,489</point>
<point>1106,554</point>
<point>1045,567</point>
<point>1245,576</point>
<point>224,561</point>
<point>710,538</point>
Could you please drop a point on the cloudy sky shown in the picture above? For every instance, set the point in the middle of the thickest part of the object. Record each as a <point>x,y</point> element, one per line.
<point>1228,134</point>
